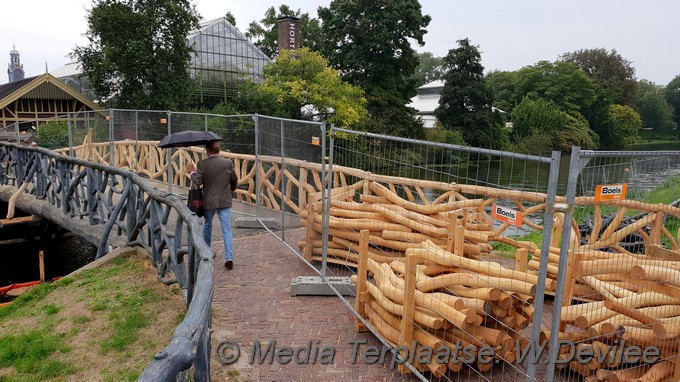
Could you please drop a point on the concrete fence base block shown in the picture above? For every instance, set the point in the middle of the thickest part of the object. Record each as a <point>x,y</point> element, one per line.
<point>316,286</point>
<point>249,222</point>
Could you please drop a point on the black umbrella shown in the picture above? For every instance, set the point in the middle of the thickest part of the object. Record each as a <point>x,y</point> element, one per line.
<point>188,138</point>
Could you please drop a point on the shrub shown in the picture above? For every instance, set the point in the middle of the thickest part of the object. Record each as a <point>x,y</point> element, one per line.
<point>53,134</point>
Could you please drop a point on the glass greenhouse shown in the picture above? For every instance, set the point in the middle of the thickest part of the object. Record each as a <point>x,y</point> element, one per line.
<point>223,58</point>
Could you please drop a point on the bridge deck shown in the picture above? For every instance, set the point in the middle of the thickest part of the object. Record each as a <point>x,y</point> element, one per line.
<point>253,302</point>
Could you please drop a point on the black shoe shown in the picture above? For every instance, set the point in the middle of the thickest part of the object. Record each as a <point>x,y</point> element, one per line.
<point>229,264</point>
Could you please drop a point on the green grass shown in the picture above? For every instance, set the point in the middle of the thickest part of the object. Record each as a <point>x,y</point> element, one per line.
<point>508,251</point>
<point>38,351</point>
<point>29,353</point>
<point>658,135</point>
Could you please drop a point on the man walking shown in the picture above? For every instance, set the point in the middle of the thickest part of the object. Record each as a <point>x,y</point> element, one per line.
<point>219,180</point>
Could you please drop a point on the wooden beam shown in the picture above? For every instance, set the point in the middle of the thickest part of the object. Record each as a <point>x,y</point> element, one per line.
<point>41,265</point>
<point>19,220</point>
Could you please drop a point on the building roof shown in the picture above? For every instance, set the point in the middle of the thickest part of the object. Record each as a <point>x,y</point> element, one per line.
<point>75,69</point>
<point>215,27</point>
<point>433,85</point>
<point>44,86</point>
<point>68,70</point>
<point>11,87</point>
<point>425,103</point>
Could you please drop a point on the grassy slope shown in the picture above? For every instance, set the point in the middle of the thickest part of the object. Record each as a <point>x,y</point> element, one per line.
<point>102,325</point>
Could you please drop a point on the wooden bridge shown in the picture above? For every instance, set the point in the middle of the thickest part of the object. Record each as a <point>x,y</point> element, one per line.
<point>415,237</point>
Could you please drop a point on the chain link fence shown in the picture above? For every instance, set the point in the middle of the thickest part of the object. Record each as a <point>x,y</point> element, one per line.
<point>618,269</point>
<point>454,250</point>
<point>443,243</point>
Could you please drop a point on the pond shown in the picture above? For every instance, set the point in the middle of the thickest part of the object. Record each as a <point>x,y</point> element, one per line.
<point>640,173</point>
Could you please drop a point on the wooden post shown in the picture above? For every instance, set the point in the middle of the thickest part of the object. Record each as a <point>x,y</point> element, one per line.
<point>89,144</point>
<point>455,240</point>
<point>460,219</point>
<point>360,302</point>
<point>451,234</point>
<point>521,259</point>
<point>41,265</point>
<point>409,306</point>
<point>655,232</point>
<point>570,279</point>
<point>367,189</point>
<point>557,229</point>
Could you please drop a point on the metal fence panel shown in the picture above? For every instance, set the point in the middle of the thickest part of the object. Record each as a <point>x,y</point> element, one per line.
<point>618,269</point>
<point>426,231</point>
<point>411,222</point>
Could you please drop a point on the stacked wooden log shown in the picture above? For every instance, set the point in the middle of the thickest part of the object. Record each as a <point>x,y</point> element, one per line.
<point>440,299</point>
<point>606,240</point>
<point>395,225</point>
<point>640,308</point>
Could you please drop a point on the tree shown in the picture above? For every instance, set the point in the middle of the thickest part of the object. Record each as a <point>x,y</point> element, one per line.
<point>231,19</point>
<point>369,41</point>
<point>138,52</point>
<point>654,110</point>
<point>305,87</point>
<point>569,88</point>
<point>673,98</point>
<point>503,87</point>
<point>465,103</point>
<point>625,126</point>
<point>429,69</point>
<point>560,82</point>
<point>265,32</point>
<point>613,73</point>
<point>537,121</point>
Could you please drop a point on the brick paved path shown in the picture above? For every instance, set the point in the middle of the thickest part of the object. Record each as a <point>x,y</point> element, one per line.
<point>253,302</point>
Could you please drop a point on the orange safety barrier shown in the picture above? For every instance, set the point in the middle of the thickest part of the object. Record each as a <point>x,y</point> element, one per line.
<point>4,290</point>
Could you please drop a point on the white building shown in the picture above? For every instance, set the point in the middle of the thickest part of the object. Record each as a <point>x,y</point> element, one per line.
<point>427,101</point>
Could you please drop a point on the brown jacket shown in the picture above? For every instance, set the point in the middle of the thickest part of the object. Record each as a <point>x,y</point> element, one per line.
<point>219,180</point>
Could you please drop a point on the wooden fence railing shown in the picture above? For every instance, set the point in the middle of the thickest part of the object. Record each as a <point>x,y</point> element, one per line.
<point>390,218</point>
<point>123,203</point>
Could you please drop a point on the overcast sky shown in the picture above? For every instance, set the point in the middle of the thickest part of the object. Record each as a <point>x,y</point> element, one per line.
<point>510,34</point>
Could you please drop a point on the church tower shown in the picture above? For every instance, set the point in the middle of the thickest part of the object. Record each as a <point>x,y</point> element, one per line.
<point>16,69</point>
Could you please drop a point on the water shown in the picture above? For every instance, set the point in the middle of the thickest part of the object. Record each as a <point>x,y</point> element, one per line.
<point>642,174</point>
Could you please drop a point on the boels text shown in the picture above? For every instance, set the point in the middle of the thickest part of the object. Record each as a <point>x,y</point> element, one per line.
<point>507,213</point>
<point>611,190</point>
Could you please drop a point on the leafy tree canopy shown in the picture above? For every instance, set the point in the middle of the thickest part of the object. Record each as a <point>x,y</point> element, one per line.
<point>653,107</point>
<point>673,98</point>
<point>138,53</point>
<point>613,73</point>
<point>231,19</point>
<point>369,41</point>
<point>305,87</point>
<point>430,68</point>
<point>502,85</point>
<point>625,126</point>
<point>265,32</point>
<point>560,82</point>
<point>540,121</point>
<point>466,101</point>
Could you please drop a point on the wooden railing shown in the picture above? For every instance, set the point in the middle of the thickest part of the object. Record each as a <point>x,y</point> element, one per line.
<point>120,202</point>
<point>400,214</point>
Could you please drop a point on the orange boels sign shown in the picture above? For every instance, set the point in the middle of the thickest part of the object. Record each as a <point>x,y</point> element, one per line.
<point>610,192</point>
<point>316,141</point>
<point>506,215</point>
